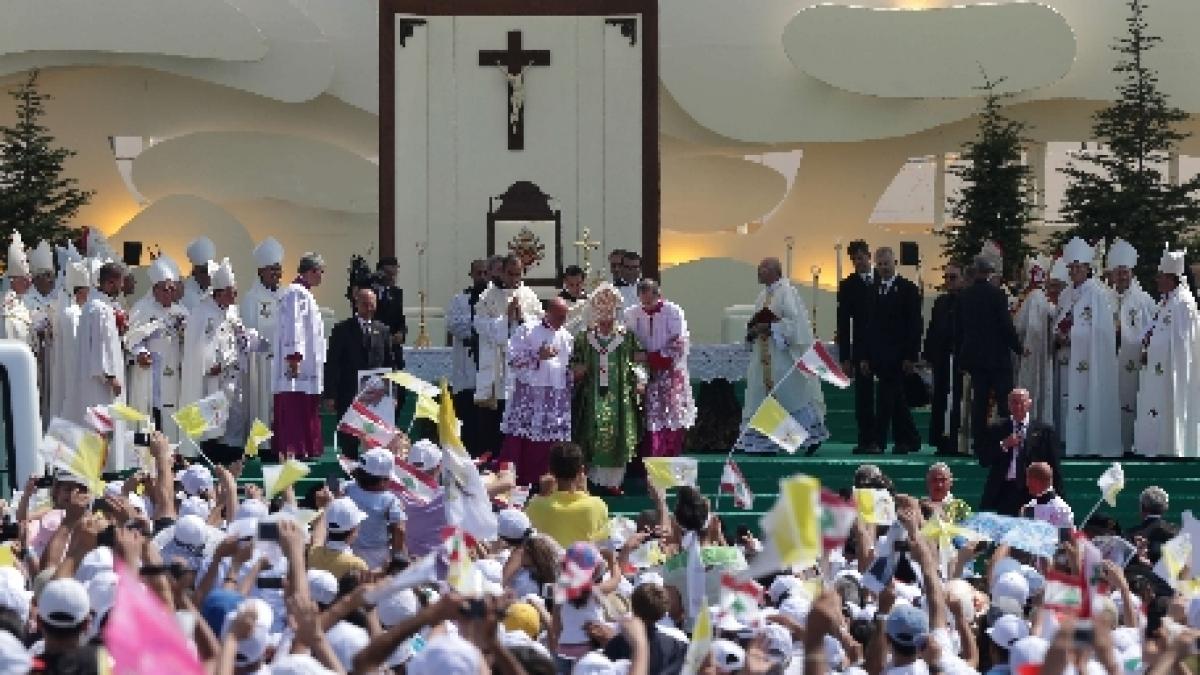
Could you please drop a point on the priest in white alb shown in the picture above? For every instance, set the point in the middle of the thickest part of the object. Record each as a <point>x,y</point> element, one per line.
<point>1086,332</point>
<point>200,252</point>
<point>41,300</point>
<point>16,321</point>
<point>1168,421</point>
<point>538,414</point>
<point>66,344</point>
<point>1134,311</point>
<point>505,306</point>
<point>779,334</point>
<point>100,356</point>
<point>259,310</point>
<point>299,364</point>
<point>1056,293</point>
<point>155,339</point>
<point>1034,323</point>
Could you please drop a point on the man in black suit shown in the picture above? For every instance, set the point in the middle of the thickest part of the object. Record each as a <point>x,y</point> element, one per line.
<point>855,297</point>
<point>893,343</point>
<point>940,342</point>
<point>987,342</point>
<point>391,307</point>
<point>1154,528</point>
<point>358,343</point>
<point>1010,447</point>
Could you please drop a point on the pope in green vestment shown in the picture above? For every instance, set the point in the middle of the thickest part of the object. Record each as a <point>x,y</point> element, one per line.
<point>608,378</point>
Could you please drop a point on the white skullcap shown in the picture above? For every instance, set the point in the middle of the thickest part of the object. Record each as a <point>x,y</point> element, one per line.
<point>201,251</point>
<point>267,253</point>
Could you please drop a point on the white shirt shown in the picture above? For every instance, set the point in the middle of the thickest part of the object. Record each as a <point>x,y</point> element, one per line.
<point>1021,428</point>
<point>1052,509</point>
<point>527,365</point>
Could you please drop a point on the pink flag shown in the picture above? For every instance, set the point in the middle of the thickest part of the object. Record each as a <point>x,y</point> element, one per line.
<point>819,362</point>
<point>141,634</point>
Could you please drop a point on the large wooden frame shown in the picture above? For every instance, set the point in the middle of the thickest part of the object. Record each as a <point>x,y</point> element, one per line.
<point>648,42</point>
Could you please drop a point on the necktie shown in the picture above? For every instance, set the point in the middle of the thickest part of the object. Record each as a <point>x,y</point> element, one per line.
<point>1019,430</point>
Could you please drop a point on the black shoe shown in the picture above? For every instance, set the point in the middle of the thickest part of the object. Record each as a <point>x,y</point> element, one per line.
<point>869,450</point>
<point>1129,454</point>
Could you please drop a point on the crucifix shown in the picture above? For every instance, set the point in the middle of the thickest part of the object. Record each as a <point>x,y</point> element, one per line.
<point>587,245</point>
<point>513,62</point>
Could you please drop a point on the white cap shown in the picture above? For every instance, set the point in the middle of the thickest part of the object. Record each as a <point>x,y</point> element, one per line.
<point>195,505</point>
<point>378,462</point>
<point>16,599</point>
<point>221,274</point>
<point>796,608</point>
<point>1078,251</point>
<point>513,524</point>
<point>252,649</point>
<point>1122,254</point>
<point>191,530</point>
<point>322,586</point>
<point>95,561</point>
<point>347,640</point>
<point>63,603</point>
<point>425,455</point>
<point>1011,585</point>
<point>201,251</point>
<point>77,275</point>
<point>1172,262</point>
<point>728,656</point>
<point>267,253</point>
<point>783,584</point>
<point>396,607</point>
<point>1058,271</point>
<point>160,270</point>
<point>102,592</point>
<point>491,569</point>
<point>251,508</point>
<point>196,479</point>
<point>777,641</point>
<point>447,655</point>
<point>18,262</point>
<point>1007,630</point>
<point>14,657</point>
<point>594,663</point>
<point>137,501</point>
<point>648,578</point>
<point>298,664</point>
<point>41,259</point>
<point>343,515</point>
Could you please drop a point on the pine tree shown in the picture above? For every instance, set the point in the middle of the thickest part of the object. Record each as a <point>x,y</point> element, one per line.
<point>1117,190</point>
<point>36,199</point>
<point>996,203</point>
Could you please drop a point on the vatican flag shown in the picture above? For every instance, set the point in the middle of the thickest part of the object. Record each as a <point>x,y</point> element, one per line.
<point>127,414</point>
<point>279,477</point>
<point>1175,555</point>
<point>259,433</point>
<point>702,638</point>
<point>776,424</point>
<point>1111,482</point>
<point>448,424</point>
<point>210,412</point>
<point>427,408</point>
<point>412,383</point>
<point>791,529</point>
<point>669,472</point>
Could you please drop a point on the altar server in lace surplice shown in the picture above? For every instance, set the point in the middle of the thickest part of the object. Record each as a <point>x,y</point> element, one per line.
<point>661,327</point>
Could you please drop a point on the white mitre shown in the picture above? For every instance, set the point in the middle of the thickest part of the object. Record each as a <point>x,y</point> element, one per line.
<point>1172,263</point>
<point>267,253</point>
<point>77,275</point>
<point>162,270</point>
<point>41,259</point>
<point>1078,251</point>
<point>221,275</point>
<point>1122,254</point>
<point>1058,271</point>
<point>201,251</point>
<point>18,262</point>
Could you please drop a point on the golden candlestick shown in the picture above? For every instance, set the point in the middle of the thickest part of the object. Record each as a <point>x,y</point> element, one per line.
<point>422,340</point>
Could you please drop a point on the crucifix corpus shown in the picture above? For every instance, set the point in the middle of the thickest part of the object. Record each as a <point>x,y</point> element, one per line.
<point>587,245</point>
<point>513,62</point>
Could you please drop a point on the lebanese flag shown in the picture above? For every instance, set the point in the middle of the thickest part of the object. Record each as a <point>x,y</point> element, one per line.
<point>740,598</point>
<point>366,426</point>
<point>1065,593</point>
<point>818,362</point>
<point>99,419</point>
<point>734,483</point>
<point>837,519</point>
<point>410,482</point>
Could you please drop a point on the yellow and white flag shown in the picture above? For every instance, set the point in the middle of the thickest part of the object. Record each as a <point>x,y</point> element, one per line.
<point>127,413</point>
<point>701,644</point>
<point>1111,482</point>
<point>80,451</point>
<point>279,477</point>
<point>776,424</point>
<point>259,433</point>
<point>875,506</point>
<point>448,425</point>
<point>669,472</point>
<point>210,412</point>
<point>1176,554</point>
<point>427,408</point>
<point>791,529</point>
<point>412,383</point>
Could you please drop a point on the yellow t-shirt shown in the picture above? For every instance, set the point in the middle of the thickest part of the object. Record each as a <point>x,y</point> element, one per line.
<point>336,562</point>
<point>568,517</point>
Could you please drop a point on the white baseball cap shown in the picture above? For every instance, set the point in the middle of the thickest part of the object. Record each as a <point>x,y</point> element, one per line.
<point>298,664</point>
<point>396,607</point>
<point>777,641</point>
<point>796,608</point>
<point>594,663</point>
<point>1011,585</point>
<point>99,559</point>
<point>378,462</point>
<point>513,524</point>
<point>1007,630</point>
<point>347,640</point>
<point>728,656</point>
<point>14,657</point>
<point>425,455</point>
<point>195,505</point>
<point>102,592</point>
<point>447,655</point>
<point>252,649</point>
<point>251,508</point>
<point>322,586</point>
<point>784,584</point>
<point>16,600</point>
<point>343,515</point>
<point>196,479</point>
<point>1027,650</point>
<point>191,530</point>
<point>63,603</point>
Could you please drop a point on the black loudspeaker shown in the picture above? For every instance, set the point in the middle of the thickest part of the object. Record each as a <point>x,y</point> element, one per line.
<point>910,253</point>
<point>131,253</point>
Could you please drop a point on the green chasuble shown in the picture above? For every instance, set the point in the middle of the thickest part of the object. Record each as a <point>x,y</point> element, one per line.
<point>606,421</point>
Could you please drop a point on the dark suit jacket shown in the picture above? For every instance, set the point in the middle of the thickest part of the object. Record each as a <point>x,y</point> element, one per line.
<point>349,352</point>
<point>854,300</point>
<point>1000,494</point>
<point>1157,532</point>
<point>985,331</point>
<point>894,331</point>
<point>940,338</point>
<point>390,311</point>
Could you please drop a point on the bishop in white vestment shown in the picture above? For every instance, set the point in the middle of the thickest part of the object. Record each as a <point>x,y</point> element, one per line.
<point>500,311</point>
<point>1135,309</point>
<point>1058,292</point>
<point>1168,421</point>
<point>1034,321</point>
<point>101,356</point>
<point>41,301</point>
<point>16,321</point>
<point>200,253</point>
<point>777,343</point>
<point>65,373</point>
<point>1089,337</point>
<point>259,311</point>
<point>299,365</point>
<point>155,339</point>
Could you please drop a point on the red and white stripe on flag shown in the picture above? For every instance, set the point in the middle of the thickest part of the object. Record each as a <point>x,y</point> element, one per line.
<point>818,362</point>
<point>734,483</point>
<point>360,422</point>
<point>410,482</point>
<point>99,419</point>
<point>837,519</point>
<point>1064,593</point>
